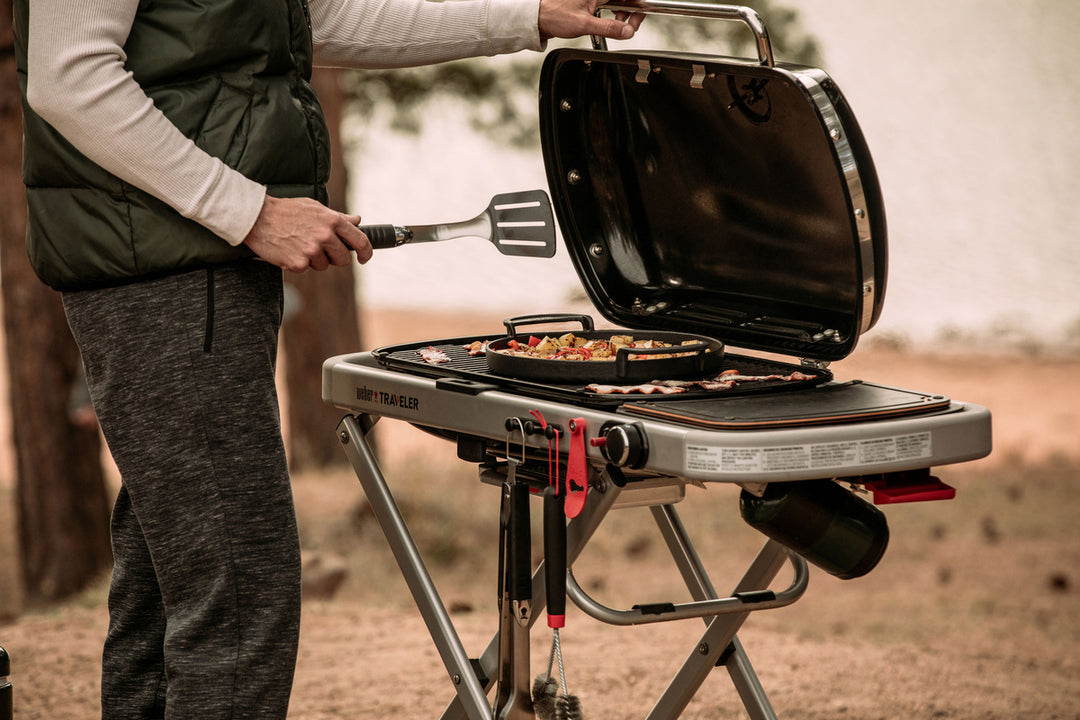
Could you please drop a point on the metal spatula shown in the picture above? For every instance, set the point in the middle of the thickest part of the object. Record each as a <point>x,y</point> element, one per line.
<point>519,223</point>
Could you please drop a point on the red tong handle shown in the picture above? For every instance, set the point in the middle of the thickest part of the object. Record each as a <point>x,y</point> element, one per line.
<point>577,471</point>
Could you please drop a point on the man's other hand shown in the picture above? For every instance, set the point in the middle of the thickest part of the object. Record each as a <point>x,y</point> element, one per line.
<point>574,18</point>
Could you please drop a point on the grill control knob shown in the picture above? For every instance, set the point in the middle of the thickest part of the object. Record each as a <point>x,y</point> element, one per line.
<point>623,445</point>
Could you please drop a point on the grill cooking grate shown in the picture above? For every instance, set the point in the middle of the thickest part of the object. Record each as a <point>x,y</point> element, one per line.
<point>462,365</point>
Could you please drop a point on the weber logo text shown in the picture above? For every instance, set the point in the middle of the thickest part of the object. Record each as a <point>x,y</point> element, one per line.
<point>406,402</point>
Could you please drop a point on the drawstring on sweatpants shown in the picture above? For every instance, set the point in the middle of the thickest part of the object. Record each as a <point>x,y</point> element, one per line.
<point>208,339</point>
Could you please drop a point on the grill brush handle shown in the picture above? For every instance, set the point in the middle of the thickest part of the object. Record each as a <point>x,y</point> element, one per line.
<point>555,556</point>
<point>738,13</point>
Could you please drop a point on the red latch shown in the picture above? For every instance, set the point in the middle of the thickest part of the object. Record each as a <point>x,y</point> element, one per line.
<point>577,470</point>
<point>916,486</point>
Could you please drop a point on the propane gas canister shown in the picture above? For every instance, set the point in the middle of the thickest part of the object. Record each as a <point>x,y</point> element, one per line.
<point>829,526</point>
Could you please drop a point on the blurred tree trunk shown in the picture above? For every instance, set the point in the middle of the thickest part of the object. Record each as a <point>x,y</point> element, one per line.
<point>324,320</point>
<point>63,506</point>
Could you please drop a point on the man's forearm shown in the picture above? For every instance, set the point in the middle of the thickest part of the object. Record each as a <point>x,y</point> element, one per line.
<point>405,33</point>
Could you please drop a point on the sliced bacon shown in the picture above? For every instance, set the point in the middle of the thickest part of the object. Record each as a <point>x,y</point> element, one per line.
<point>724,381</point>
<point>716,384</point>
<point>433,355</point>
<point>645,389</point>
<point>678,383</point>
<point>735,376</point>
<point>478,347</point>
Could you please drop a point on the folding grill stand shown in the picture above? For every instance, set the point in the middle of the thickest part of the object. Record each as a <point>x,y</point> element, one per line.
<point>473,678</point>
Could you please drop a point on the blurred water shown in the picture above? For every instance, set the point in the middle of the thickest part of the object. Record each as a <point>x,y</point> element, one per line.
<point>970,108</point>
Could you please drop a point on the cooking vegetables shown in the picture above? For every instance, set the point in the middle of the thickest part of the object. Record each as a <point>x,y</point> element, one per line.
<point>573,347</point>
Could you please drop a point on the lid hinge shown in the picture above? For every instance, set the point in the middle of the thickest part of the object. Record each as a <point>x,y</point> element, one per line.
<point>644,67</point>
<point>697,81</point>
<point>816,364</point>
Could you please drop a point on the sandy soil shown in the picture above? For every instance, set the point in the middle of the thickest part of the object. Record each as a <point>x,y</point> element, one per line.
<point>973,613</point>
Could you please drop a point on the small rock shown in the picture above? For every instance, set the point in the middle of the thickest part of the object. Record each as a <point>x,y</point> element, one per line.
<point>459,607</point>
<point>990,531</point>
<point>1059,582</point>
<point>322,575</point>
<point>637,547</point>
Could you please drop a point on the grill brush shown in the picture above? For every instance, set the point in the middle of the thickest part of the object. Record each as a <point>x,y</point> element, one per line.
<point>548,703</point>
<point>544,691</point>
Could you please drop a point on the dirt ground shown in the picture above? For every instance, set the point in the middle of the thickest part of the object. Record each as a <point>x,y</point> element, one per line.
<point>973,614</point>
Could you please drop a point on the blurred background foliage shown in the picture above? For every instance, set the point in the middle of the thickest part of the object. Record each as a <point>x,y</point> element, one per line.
<point>499,94</point>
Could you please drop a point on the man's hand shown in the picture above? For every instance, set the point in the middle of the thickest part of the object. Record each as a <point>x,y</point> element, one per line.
<point>300,233</point>
<point>574,18</point>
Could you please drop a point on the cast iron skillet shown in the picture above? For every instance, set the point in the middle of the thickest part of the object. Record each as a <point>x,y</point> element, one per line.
<point>702,357</point>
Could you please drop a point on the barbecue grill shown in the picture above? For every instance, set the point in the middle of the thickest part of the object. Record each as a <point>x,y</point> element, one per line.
<point>732,203</point>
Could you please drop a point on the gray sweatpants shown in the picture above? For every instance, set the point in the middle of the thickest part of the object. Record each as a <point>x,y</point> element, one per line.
<point>204,605</point>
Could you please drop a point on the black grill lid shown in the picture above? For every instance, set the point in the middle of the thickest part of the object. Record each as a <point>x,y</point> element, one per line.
<point>715,196</point>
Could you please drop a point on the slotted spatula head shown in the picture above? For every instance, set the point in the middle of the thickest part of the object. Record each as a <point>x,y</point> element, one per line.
<point>518,223</point>
<point>522,223</point>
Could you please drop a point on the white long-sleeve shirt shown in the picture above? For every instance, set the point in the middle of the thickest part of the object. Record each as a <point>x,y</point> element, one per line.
<point>77,82</point>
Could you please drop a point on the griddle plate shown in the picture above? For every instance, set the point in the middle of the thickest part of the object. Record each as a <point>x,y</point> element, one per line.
<point>825,404</point>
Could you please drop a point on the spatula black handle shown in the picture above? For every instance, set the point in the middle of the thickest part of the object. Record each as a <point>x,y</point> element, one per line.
<point>385,236</point>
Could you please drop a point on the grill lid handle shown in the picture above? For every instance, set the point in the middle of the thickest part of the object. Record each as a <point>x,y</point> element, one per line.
<point>738,13</point>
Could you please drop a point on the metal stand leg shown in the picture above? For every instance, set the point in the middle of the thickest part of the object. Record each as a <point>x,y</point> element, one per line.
<point>578,533</point>
<point>719,637</point>
<point>470,694</point>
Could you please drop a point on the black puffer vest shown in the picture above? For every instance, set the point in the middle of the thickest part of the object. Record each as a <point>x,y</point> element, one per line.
<point>233,76</point>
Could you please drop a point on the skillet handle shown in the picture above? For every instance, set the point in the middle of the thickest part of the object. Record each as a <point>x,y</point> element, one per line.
<point>512,324</point>
<point>622,355</point>
<point>739,13</point>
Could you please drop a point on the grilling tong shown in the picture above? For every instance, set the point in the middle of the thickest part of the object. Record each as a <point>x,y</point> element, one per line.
<point>512,701</point>
<point>519,223</point>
